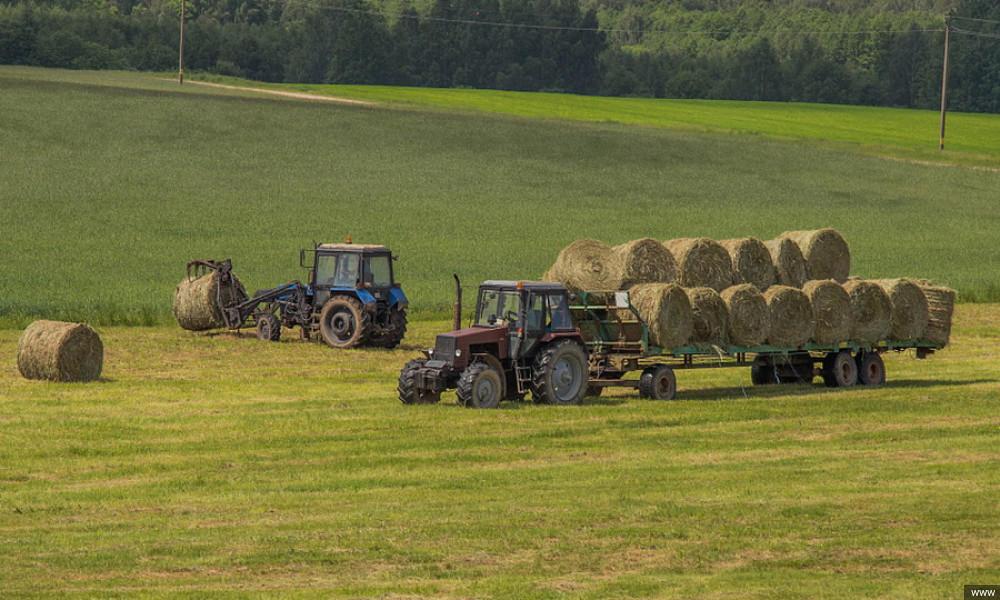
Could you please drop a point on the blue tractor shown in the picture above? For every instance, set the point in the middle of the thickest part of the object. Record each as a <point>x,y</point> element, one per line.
<point>352,298</point>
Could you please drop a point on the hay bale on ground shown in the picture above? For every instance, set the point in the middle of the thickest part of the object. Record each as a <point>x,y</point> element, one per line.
<point>871,311</point>
<point>665,308</point>
<point>831,307</point>
<point>751,262</point>
<point>646,261</point>
<point>711,317</point>
<point>749,320</point>
<point>588,264</point>
<point>701,262</point>
<point>60,351</point>
<point>791,316</point>
<point>196,301</point>
<point>909,308</point>
<point>789,265</point>
<point>940,306</point>
<point>826,252</point>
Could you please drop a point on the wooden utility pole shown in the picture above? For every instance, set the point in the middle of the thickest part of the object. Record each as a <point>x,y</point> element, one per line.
<point>944,79</point>
<point>180,75</point>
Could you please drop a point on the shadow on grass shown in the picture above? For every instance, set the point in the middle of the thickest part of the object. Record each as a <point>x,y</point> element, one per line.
<point>811,389</point>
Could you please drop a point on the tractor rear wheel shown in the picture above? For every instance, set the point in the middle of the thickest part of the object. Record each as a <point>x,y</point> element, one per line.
<point>343,323</point>
<point>839,369</point>
<point>397,329</point>
<point>560,374</point>
<point>409,393</point>
<point>658,383</point>
<point>480,386</point>
<point>268,327</point>
<point>871,368</point>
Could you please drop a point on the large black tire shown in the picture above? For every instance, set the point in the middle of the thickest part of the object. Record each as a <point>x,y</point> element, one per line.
<point>560,374</point>
<point>658,383</point>
<point>391,339</point>
<point>762,371</point>
<point>268,327</point>
<point>344,322</point>
<point>871,368</point>
<point>839,369</point>
<point>408,391</point>
<point>480,386</point>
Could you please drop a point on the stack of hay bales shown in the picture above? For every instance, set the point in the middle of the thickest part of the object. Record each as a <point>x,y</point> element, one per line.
<point>786,292</point>
<point>60,351</point>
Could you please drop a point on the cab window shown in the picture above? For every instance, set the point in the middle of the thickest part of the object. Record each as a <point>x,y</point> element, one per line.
<point>498,307</point>
<point>559,319</point>
<point>378,272</point>
<point>347,270</point>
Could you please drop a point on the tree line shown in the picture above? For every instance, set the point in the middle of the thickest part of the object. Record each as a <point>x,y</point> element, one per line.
<point>783,50</point>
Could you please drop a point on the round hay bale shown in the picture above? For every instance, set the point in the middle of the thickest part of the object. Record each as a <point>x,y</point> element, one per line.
<point>826,252</point>
<point>701,262</point>
<point>60,351</point>
<point>196,302</point>
<point>751,262</point>
<point>831,307</point>
<point>711,317</point>
<point>749,320</point>
<point>871,311</point>
<point>789,265</point>
<point>646,261</point>
<point>587,265</point>
<point>665,308</point>
<point>909,308</point>
<point>791,316</point>
<point>940,306</point>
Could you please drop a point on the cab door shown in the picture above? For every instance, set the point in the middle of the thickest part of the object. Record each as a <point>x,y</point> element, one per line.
<point>533,318</point>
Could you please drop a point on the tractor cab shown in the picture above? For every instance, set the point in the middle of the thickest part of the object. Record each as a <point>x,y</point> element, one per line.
<point>351,267</point>
<point>529,310</point>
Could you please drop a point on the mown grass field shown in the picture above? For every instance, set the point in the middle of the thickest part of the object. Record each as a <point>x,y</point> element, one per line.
<point>218,466</point>
<point>111,182</point>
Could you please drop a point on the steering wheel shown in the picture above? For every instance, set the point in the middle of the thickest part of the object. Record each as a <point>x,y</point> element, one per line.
<point>511,316</point>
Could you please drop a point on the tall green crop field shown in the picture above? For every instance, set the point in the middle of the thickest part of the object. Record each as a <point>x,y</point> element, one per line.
<point>111,182</point>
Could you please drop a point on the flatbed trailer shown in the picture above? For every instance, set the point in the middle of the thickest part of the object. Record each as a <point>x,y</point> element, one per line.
<point>617,342</point>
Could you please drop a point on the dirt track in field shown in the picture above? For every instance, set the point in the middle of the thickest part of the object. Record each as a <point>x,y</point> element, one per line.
<point>299,95</point>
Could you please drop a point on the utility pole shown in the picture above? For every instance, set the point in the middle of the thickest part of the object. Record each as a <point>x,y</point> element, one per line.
<point>944,79</point>
<point>180,75</point>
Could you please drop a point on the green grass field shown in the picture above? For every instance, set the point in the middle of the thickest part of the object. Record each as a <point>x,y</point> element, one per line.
<point>111,182</point>
<point>219,466</point>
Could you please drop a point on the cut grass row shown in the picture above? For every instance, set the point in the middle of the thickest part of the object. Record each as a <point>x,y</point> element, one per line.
<point>111,182</point>
<point>221,466</point>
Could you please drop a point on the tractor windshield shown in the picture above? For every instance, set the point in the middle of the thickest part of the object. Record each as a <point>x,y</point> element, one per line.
<point>498,307</point>
<point>378,272</point>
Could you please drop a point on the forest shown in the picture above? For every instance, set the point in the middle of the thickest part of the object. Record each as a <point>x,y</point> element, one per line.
<point>880,52</point>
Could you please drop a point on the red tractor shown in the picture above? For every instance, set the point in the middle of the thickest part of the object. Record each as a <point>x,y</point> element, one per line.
<point>523,340</point>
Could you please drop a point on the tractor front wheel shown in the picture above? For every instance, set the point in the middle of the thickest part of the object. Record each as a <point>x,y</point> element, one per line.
<point>408,391</point>
<point>480,386</point>
<point>560,374</point>
<point>343,322</point>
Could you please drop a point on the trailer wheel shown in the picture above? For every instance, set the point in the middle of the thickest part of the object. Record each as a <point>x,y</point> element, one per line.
<point>480,386</point>
<point>658,383</point>
<point>871,368</point>
<point>839,369</point>
<point>560,374</point>
<point>408,391</point>
<point>268,327</point>
<point>762,371</point>
<point>343,322</point>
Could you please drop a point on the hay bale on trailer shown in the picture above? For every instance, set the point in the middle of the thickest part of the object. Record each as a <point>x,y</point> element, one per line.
<point>940,306</point>
<point>871,311</point>
<point>831,308</point>
<point>789,265</point>
<point>711,317</point>
<point>60,351</point>
<point>588,264</point>
<point>749,321</point>
<point>751,262</point>
<point>646,261</point>
<point>826,253</point>
<point>701,262</point>
<point>909,308</point>
<point>196,302</point>
<point>791,316</point>
<point>666,310</point>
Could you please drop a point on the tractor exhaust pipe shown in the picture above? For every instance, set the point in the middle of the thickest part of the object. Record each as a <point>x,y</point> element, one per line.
<point>456,315</point>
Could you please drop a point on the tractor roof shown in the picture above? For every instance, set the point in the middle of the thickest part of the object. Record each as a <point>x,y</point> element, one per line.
<point>355,247</point>
<point>528,285</point>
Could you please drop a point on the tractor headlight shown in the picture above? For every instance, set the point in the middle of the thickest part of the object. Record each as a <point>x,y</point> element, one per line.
<point>458,353</point>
